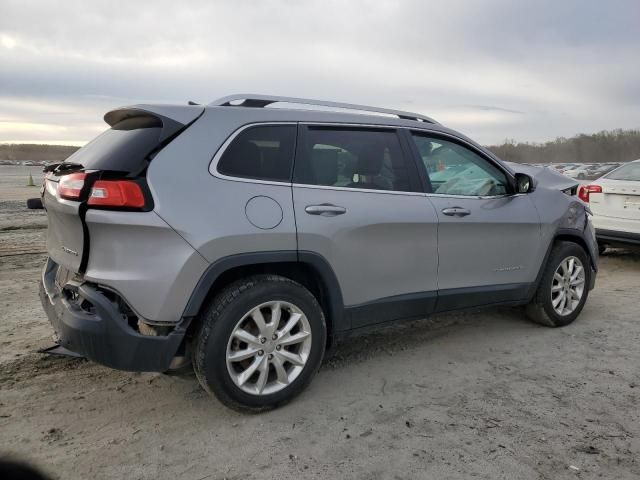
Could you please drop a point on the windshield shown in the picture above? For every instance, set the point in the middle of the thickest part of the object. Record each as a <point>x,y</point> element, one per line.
<point>630,171</point>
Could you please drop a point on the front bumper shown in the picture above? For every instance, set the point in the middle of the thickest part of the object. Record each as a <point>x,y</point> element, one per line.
<point>91,325</point>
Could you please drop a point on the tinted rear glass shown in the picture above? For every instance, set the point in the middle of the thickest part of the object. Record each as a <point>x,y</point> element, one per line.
<point>122,148</point>
<point>263,152</point>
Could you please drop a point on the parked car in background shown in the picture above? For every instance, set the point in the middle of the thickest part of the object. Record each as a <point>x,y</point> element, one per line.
<point>615,203</point>
<point>598,170</point>
<point>567,167</point>
<point>556,167</point>
<point>579,172</point>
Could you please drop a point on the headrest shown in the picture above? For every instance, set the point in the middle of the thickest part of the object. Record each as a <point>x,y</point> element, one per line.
<point>324,163</point>
<point>370,160</point>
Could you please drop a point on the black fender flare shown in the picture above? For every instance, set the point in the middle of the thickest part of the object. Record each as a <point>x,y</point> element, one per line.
<point>579,237</point>
<point>569,234</point>
<point>329,282</point>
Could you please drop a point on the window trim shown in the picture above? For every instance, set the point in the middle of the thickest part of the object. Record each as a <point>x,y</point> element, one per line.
<point>465,144</point>
<point>362,190</point>
<point>407,155</point>
<point>213,165</point>
<point>409,150</point>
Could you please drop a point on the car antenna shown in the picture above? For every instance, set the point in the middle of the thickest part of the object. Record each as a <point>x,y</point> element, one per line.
<point>191,102</point>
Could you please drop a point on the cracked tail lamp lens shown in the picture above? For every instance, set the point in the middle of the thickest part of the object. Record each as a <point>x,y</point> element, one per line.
<point>71,185</point>
<point>116,193</point>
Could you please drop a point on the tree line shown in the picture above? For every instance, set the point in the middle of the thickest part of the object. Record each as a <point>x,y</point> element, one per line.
<point>35,152</point>
<point>606,146</point>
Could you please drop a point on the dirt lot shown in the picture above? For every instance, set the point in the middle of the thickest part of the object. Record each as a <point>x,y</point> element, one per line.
<point>482,394</point>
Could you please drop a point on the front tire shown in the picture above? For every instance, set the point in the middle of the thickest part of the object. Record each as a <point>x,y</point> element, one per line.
<point>260,342</point>
<point>564,287</point>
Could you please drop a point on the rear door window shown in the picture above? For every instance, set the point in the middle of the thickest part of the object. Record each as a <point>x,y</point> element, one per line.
<point>349,157</point>
<point>263,152</point>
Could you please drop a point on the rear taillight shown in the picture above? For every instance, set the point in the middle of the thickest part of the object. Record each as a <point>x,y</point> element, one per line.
<point>116,193</point>
<point>586,190</point>
<point>71,185</point>
<point>104,193</point>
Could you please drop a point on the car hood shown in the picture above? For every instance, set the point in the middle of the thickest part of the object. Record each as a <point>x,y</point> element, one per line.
<point>544,177</point>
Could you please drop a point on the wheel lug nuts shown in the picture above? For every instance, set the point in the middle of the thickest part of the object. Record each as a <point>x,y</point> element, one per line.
<point>263,339</point>
<point>274,337</point>
<point>260,352</point>
<point>270,356</point>
<point>278,347</point>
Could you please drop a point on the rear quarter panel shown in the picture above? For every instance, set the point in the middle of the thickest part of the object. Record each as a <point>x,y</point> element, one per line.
<point>207,211</point>
<point>141,257</point>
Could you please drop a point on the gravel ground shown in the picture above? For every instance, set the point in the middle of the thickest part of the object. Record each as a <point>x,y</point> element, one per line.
<point>481,394</point>
<point>14,179</point>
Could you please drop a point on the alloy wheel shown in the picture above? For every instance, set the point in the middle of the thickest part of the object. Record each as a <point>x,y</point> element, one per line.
<point>567,286</point>
<point>268,348</point>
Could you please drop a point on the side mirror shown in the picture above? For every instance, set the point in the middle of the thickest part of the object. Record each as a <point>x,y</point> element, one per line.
<point>524,183</point>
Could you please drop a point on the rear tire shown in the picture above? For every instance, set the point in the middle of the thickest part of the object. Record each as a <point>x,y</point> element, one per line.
<point>246,368</point>
<point>558,283</point>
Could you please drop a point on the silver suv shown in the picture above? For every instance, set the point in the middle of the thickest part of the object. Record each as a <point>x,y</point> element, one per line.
<point>247,239</point>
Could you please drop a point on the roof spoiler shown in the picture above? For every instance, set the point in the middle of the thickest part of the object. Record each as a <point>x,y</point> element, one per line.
<point>173,117</point>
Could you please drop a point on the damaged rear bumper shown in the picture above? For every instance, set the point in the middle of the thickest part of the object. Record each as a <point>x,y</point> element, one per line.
<point>90,324</point>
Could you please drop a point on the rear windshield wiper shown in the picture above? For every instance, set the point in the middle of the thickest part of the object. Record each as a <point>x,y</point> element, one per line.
<point>62,167</point>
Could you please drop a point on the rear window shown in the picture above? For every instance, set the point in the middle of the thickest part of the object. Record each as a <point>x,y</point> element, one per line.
<point>262,152</point>
<point>630,171</point>
<point>122,148</point>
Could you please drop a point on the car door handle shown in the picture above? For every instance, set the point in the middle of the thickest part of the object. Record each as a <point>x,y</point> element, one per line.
<point>456,212</point>
<point>326,210</point>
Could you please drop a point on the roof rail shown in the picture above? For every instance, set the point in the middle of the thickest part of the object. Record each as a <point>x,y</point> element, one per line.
<point>260,101</point>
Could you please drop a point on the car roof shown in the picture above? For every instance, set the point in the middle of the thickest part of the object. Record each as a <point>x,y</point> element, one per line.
<point>310,115</point>
<point>261,101</point>
<point>259,109</point>
<point>245,115</point>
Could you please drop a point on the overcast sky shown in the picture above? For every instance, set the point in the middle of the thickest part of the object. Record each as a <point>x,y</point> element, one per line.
<point>493,69</point>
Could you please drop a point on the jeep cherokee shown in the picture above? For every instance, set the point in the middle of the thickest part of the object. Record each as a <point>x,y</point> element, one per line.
<point>247,239</point>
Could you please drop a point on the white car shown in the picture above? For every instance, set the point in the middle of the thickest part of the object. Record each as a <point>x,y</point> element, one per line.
<point>565,168</point>
<point>615,202</point>
<point>577,172</point>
